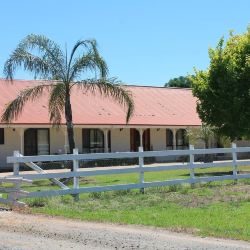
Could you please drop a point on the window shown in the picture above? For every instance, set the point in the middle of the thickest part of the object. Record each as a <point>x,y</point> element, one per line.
<point>42,141</point>
<point>1,135</point>
<point>36,141</point>
<point>93,140</point>
<point>181,139</point>
<point>169,139</point>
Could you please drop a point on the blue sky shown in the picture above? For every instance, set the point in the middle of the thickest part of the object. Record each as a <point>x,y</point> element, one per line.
<point>145,42</point>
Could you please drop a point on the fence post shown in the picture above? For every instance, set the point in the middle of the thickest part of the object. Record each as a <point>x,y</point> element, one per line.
<point>234,156</point>
<point>75,169</point>
<point>141,163</point>
<point>16,164</point>
<point>191,164</point>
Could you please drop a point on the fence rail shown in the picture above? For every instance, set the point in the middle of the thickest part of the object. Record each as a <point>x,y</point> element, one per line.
<point>119,155</point>
<point>191,165</point>
<point>13,193</point>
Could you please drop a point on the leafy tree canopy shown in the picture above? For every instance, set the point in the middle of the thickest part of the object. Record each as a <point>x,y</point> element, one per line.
<point>224,89</point>
<point>180,82</point>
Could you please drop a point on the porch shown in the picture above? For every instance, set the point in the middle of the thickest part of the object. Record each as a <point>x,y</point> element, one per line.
<point>35,140</point>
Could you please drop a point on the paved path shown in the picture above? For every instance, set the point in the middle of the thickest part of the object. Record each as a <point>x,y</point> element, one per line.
<point>29,232</point>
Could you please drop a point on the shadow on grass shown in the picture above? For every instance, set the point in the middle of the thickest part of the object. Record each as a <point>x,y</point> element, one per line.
<point>212,174</point>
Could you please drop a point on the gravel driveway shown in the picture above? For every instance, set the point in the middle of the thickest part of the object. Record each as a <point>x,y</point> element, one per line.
<point>23,232</point>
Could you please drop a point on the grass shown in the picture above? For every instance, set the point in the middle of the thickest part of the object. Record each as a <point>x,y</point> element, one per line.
<point>219,209</point>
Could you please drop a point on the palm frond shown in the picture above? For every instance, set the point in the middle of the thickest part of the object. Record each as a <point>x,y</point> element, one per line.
<point>56,103</point>
<point>110,88</point>
<point>52,51</point>
<point>80,43</point>
<point>90,59</point>
<point>30,62</point>
<point>50,59</point>
<point>81,64</point>
<point>15,107</point>
<point>101,64</point>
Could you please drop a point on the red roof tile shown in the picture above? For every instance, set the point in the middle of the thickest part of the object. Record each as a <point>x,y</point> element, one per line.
<point>154,106</point>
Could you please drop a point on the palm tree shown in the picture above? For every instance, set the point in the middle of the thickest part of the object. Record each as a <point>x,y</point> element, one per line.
<point>205,134</point>
<point>61,73</point>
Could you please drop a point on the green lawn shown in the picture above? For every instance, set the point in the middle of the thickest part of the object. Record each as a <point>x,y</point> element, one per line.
<point>220,209</point>
<point>134,178</point>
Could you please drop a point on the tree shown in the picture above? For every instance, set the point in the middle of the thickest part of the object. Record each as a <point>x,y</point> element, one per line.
<point>46,60</point>
<point>180,82</point>
<point>204,134</point>
<point>223,91</point>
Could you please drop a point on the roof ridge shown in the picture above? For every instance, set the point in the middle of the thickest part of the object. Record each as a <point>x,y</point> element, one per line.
<point>150,86</point>
<point>126,84</point>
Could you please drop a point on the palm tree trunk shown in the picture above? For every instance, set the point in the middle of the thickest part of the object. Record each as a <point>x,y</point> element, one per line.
<point>69,123</point>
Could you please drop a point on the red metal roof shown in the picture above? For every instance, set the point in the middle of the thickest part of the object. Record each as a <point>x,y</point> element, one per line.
<point>154,106</point>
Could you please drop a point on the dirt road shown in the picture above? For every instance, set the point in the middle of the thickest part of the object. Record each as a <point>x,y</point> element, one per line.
<point>25,232</point>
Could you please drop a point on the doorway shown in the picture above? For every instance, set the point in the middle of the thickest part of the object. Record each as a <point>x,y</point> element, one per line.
<point>135,140</point>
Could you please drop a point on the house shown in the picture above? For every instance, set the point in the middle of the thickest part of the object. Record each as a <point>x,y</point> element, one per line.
<point>159,122</point>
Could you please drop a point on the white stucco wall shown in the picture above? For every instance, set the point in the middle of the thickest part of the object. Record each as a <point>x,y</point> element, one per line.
<point>243,143</point>
<point>158,139</point>
<point>120,140</point>
<point>12,142</point>
<point>57,140</point>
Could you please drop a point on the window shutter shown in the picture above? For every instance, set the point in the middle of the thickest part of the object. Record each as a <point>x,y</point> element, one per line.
<point>1,135</point>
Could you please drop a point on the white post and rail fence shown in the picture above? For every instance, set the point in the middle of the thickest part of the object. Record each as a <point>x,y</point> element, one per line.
<point>13,193</point>
<point>141,169</point>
